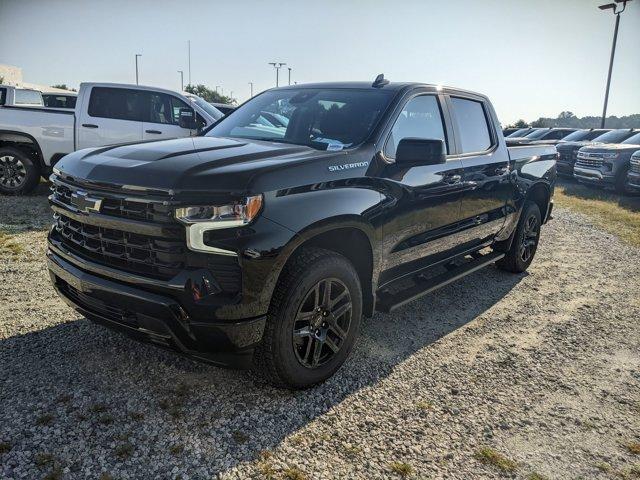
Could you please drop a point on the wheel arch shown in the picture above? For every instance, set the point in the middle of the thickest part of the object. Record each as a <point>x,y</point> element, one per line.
<point>13,139</point>
<point>348,237</point>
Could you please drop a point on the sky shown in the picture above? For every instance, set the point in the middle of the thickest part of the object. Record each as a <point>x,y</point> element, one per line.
<point>531,57</point>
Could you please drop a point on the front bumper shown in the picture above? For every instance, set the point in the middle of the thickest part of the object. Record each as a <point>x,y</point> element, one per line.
<point>593,176</point>
<point>153,317</point>
<point>564,167</point>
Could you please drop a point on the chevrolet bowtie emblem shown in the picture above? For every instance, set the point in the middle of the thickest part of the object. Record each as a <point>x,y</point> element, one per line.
<point>83,202</point>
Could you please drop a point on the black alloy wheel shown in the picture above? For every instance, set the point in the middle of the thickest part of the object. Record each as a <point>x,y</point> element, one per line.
<point>322,322</point>
<point>13,173</point>
<point>530,236</point>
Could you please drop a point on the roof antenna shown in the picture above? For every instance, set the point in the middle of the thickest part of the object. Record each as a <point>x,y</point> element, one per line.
<point>380,81</point>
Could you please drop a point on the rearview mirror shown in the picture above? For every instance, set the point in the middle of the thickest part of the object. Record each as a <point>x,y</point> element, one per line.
<point>420,151</point>
<point>187,119</point>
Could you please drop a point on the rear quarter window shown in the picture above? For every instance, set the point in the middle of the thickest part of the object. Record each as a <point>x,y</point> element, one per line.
<point>119,103</point>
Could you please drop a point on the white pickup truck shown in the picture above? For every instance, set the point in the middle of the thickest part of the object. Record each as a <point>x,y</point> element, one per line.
<point>33,139</point>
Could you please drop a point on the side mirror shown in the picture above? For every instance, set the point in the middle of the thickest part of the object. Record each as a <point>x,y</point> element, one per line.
<point>420,151</point>
<point>187,119</point>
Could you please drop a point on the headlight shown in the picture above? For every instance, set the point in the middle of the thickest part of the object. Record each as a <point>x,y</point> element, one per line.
<point>610,155</point>
<point>202,218</point>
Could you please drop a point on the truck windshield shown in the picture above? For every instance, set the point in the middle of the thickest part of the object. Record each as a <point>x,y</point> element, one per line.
<point>579,135</point>
<point>536,134</point>
<point>325,119</point>
<point>614,136</point>
<point>635,140</point>
<point>207,107</point>
<point>520,132</point>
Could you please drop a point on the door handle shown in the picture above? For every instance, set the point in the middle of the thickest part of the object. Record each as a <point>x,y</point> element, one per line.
<point>89,125</point>
<point>451,179</point>
<point>157,132</point>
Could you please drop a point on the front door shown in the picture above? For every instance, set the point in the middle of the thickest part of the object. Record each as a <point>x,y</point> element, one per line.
<point>422,202</point>
<point>164,114</point>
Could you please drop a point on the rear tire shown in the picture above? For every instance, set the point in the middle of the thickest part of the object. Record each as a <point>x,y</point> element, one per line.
<point>309,333</point>
<point>19,173</point>
<point>525,240</point>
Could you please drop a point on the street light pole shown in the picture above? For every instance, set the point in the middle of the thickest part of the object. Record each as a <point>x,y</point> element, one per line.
<point>277,66</point>
<point>137,55</point>
<point>289,75</point>
<point>251,83</point>
<point>181,80</point>
<point>611,6</point>
<point>189,55</point>
<point>217,87</point>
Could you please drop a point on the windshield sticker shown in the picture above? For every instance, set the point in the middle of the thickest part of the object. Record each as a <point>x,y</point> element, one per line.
<point>347,166</point>
<point>334,147</point>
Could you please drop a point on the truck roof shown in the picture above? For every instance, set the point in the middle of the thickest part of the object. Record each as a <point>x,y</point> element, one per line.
<point>394,86</point>
<point>127,85</point>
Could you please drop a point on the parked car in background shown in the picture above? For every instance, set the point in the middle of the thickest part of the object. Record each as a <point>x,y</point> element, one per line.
<point>521,132</point>
<point>633,177</point>
<point>568,150</point>
<point>33,140</point>
<point>225,108</point>
<point>59,100</point>
<point>265,246</point>
<point>542,136</point>
<point>607,164</point>
<point>510,130</point>
<point>24,97</point>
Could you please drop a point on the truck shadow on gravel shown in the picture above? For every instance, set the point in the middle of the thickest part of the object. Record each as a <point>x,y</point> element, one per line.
<point>97,387</point>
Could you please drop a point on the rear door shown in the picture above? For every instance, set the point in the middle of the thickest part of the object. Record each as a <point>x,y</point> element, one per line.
<point>421,221</point>
<point>486,168</point>
<point>163,116</point>
<point>113,115</point>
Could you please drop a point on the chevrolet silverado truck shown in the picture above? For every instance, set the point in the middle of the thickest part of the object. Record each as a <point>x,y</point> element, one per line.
<point>607,164</point>
<point>260,246</point>
<point>33,139</point>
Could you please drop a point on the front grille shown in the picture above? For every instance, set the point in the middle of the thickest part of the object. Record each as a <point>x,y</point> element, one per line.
<point>635,165</point>
<point>95,305</point>
<point>565,156</point>
<point>156,212</point>
<point>127,251</point>
<point>589,161</point>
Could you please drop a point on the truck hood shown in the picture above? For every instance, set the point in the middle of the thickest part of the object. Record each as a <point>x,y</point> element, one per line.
<point>611,147</point>
<point>187,164</point>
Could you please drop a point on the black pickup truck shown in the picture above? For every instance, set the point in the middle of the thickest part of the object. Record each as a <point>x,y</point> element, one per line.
<point>254,245</point>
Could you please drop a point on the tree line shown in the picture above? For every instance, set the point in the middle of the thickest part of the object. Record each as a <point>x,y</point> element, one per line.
<point>568,119</point>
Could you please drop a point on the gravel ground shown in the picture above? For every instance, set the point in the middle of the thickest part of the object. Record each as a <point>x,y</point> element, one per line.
<point>541,368</point>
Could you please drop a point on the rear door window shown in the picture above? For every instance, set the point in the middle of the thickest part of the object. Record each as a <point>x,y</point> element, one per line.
<point>119,103</point>
<point>28,97</point>
<point>473,128</point>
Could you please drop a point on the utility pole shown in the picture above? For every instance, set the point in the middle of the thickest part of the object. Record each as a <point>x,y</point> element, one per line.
<point>617,12</point>
<point>251,83</point>
<point>181,80</point>
<point>217,87</point>
<point>189,55</point>
<point>289,75</point>
<point>231,96</point>
<point>137,55</point>
<point>277,66</point>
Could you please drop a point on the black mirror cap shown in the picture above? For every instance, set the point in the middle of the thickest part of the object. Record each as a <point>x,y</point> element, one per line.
<point>420,151</point>
<point>187,119</point>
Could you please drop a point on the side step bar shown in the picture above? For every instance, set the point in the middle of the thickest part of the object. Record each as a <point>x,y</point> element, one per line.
<point>388,302</point>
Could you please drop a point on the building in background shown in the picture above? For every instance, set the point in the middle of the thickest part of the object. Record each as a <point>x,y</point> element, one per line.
<point>12,75</point>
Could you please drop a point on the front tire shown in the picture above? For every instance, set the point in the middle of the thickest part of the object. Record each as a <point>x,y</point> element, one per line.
<point>19,173</point>
<point>525,241</point>
<point>313,320</point>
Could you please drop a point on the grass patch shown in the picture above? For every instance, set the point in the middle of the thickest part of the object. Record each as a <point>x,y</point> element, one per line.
<point>424,405</point>
<point>352,450</point>
<point>43,459</point>
<point>44,419</point>
<point>137,416</point>
<point>401,468</point>
<point>176,449</point>
<point>54,474</point>
<point>98,408</point>
<point>106,419</point>
<point>294,473</point>
<point>240,437</point>
<point>604,467</point>
<point>613,213</point>
<point>5,447</point>
<point>634,447</point>
<point>489,456</point>
<point>105,476</point>
<point>124,450</point>
<point>536,476</point>
<point>9,246</point>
